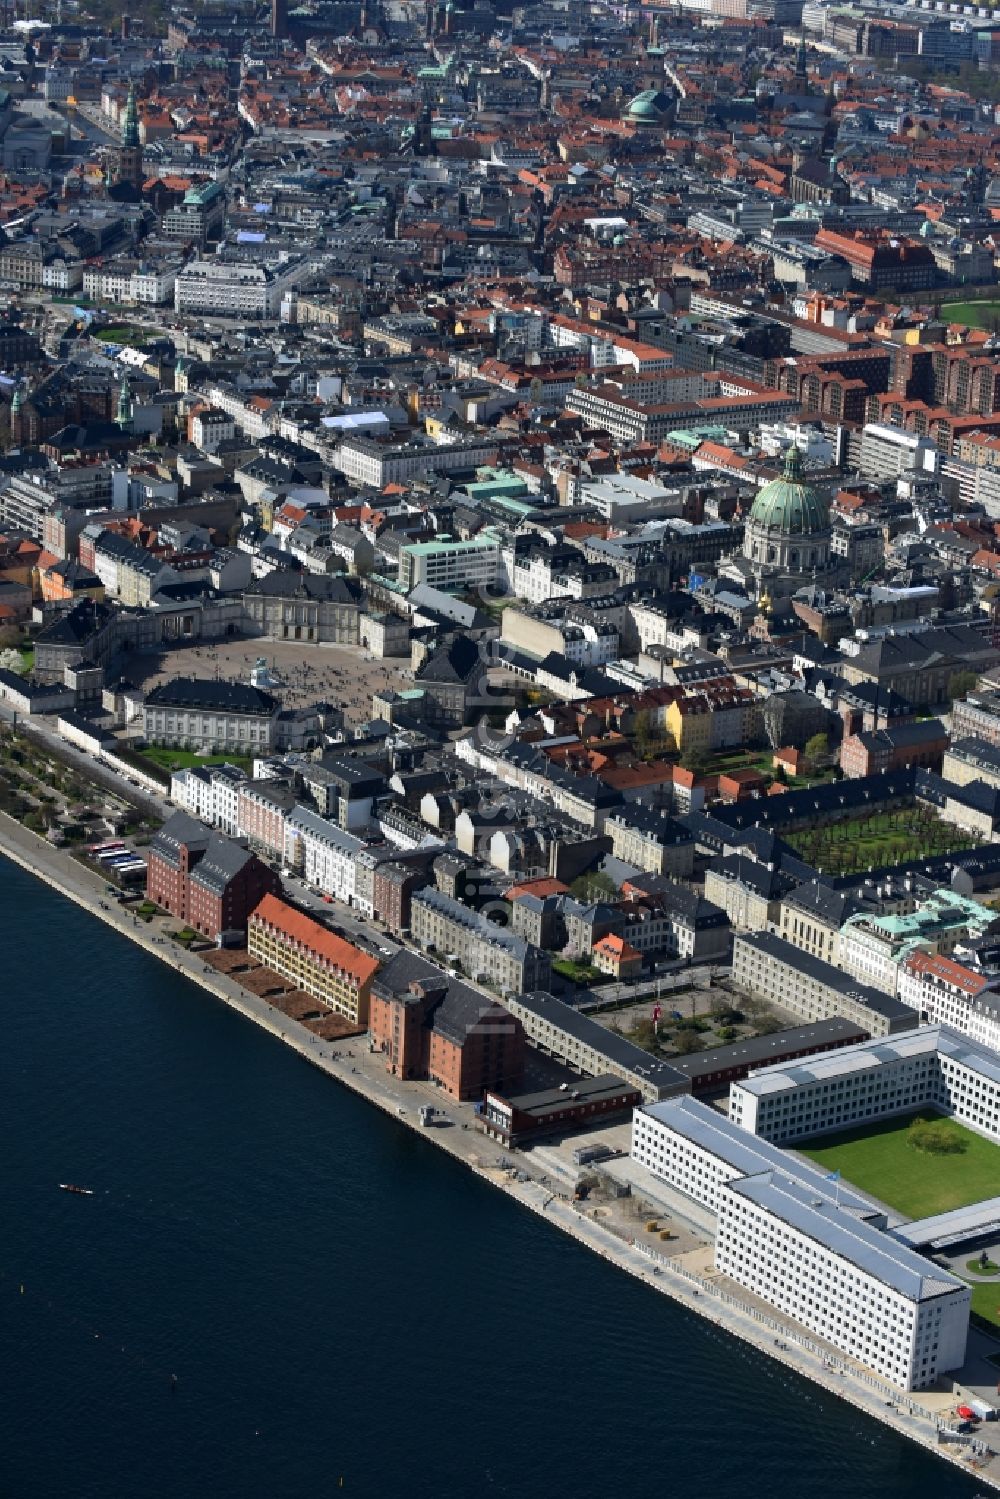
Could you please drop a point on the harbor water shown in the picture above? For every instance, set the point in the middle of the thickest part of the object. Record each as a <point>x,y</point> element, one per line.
<point>276,1290</point>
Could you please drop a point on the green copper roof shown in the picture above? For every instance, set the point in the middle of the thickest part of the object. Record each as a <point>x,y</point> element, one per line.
<point>649,105</point>
<point>130,125</point>
<point>790,505</point>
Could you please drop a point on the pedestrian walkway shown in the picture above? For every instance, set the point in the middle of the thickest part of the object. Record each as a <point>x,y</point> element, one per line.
<point>362,1070</point>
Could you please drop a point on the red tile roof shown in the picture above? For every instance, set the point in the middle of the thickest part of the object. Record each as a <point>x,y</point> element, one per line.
<point>323,943</point>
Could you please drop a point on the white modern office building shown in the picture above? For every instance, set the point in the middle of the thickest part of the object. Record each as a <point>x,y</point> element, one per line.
<point>322,853</point>
<point>932,1067</point>
<point>842,1277</point>
<point>814,1249</point>
<point>450,563</point>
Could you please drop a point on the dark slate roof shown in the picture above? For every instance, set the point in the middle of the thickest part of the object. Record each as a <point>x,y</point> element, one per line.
<point>179,831</point>
<point>462,1009</point>
<point>884,700</point>
<point>457,1010</point>
<point>764,1051</point>
<point>208,695</point>
<point>282,583</point>
<point>768,883</point>
<point>457,662</point>
<point>77,625</point>
<point>220,864</point>
<point>832,907</point>
<point>654,823</point>
<point>961,644</point>
<point>780,951</point>
<point>820,801</point>
<point>907,735</point>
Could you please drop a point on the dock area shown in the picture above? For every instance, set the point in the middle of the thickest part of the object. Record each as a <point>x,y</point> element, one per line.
<point>609,1222</point>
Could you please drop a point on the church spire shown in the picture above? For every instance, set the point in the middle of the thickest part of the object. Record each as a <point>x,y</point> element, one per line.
<point>124,414</point>
<point>130,124</point>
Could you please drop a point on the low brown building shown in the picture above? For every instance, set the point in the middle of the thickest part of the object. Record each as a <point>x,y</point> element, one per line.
<point>556,1111</point>
<point>431,1026</point>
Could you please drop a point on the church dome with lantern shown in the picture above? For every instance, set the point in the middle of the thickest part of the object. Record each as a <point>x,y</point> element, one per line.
<point>789,523</point>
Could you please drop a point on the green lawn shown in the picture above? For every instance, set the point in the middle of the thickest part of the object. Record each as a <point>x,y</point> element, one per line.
<point>854,845</point>
<point>27,659</point>
<point>879,1159</point>
<point>972,314</point>
<point>577,973</point>
<point>125,334</point>
<point>986,1302</point>
<point>178,759</point>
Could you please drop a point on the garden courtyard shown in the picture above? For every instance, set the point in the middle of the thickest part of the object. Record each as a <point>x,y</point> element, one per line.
<point>854,845</point>
<point>918,1164</point>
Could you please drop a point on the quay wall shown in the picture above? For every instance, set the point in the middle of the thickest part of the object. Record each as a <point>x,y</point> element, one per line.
<point>789,1346</point>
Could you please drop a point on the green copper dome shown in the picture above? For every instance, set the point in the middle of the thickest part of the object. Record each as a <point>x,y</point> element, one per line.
<point>649,105</point>
<point>789,505</point>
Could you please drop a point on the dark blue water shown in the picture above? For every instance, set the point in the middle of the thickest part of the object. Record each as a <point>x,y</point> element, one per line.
<point>338,1300</point>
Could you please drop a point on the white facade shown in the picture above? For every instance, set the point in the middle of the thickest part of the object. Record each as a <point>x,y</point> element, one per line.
<point>945,993</point>
<point>235,290</point>
<point>369,462</point>
<point>932,1067</point>
<point>784,974</point>
<point>816,1252</point>
<point>322,853</point>
<point>210,793</point>
<point>853,1285</point>
<point>130,286</point>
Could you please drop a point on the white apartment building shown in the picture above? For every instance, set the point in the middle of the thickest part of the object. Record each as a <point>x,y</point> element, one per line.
<point>225,289</point>
<point>530,577</point>
<point>254,420</point>
<point>130,285</point>
<point>943,992</point>
<point>368,462</point>
<point>210,793</point>
<point>873,948</point>
<point>932,1067</point>
<point>818,1253</point>
<point>322,853</point>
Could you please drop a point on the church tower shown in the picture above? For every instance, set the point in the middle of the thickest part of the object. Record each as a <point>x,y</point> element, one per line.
<point>17,434</point>
<point>128,158</point>
<point>123,415</point>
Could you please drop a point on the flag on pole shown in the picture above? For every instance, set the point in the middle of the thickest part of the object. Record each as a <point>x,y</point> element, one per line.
<point>832,1176</point>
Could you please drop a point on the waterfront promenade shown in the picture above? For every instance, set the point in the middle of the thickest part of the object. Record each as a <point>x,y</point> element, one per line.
<point>351,1062</point>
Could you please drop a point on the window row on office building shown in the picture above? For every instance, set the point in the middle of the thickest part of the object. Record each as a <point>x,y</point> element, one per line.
<point>814,1249</point>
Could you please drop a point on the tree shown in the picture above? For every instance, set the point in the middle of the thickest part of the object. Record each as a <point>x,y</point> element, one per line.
<point>961,683</point>
<point>695,760</point>
<point>594,886</point>
<point>10,660</point>
<point>815,751</point>
<point>685,1042</point>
